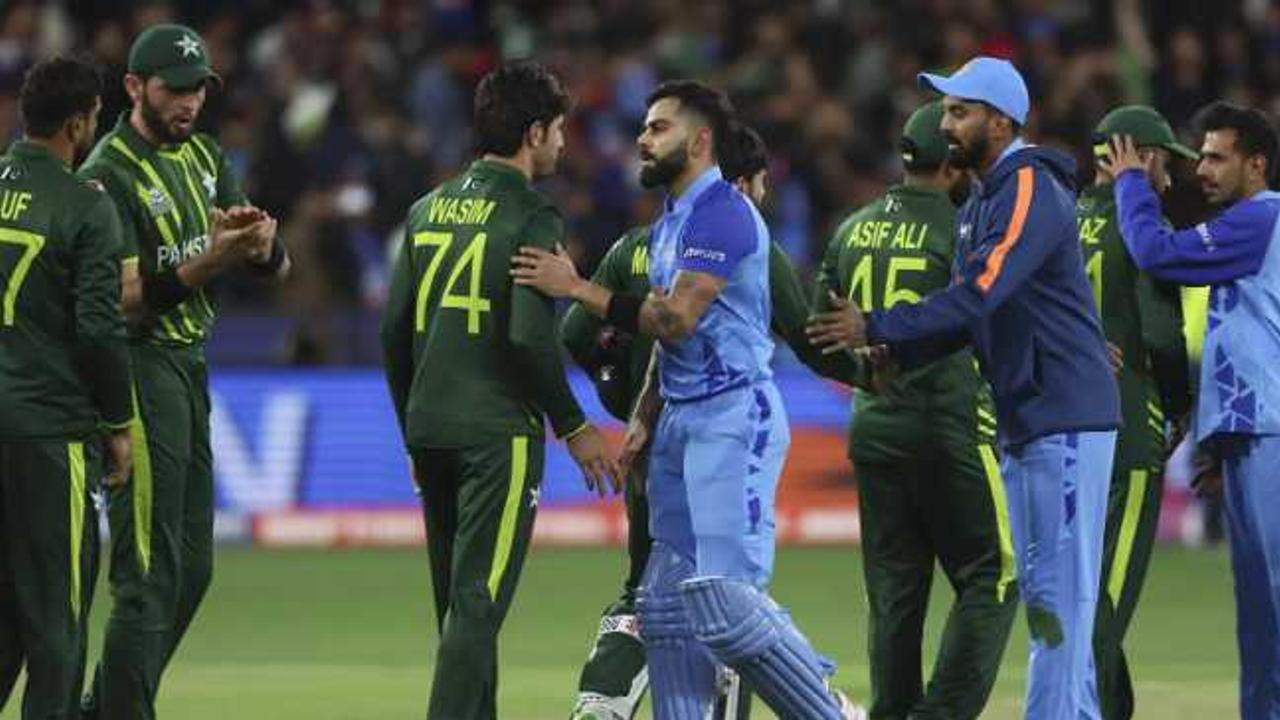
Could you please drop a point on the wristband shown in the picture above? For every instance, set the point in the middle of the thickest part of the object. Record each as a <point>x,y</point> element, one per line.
<point>273,263</point>
<point>624,311</point>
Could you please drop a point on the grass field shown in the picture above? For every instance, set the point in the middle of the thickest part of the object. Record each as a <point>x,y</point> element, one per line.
<point>347,635</point>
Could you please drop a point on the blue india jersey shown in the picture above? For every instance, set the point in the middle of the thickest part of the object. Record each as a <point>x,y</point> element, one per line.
<point>714,228</point>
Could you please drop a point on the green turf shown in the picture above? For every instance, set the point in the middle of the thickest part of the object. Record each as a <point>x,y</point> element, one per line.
<point>348,635</point>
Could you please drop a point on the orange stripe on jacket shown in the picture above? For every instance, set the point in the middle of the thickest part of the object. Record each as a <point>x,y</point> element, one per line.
<point>1021,204</point>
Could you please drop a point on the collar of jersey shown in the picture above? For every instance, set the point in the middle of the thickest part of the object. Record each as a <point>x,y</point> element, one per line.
<point>135,141</point>
<point>26,148</point>
<point>920,190</point>
<point>499,168</point>
<point>708,178</point>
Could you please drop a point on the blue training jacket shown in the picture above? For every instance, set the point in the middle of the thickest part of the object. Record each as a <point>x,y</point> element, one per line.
<point>1236,252</point>
<point>1020,296</point>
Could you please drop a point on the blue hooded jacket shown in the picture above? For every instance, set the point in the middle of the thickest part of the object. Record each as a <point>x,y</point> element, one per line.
<point>1020,296</point>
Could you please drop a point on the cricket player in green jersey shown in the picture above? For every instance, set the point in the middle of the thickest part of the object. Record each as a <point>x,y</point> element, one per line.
<point>1142,319</point>
<point>185,223</point>
<point>922,447</point>
<point>64,376</point>
<point>473,366</point>
<point>613,680</point>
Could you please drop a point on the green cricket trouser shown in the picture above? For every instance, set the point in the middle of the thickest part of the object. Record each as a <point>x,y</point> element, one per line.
<point>161,532</point>
<point>943,500</point>
<point>43,524</point>
<point>1133,514</point>
<point>479,503</point>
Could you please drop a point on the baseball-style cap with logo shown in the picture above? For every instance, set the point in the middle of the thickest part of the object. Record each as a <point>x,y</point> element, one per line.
<point>1147,127</point>
<point>175,54</point>
<point>922,144</point>
<point>990,80</point>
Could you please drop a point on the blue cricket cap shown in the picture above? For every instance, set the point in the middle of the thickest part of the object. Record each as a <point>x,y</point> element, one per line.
<point>990,80</point>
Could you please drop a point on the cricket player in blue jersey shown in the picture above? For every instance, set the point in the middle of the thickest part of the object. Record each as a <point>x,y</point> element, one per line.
<point>718,428</point>
<point>1237,419</point>
<point>1020,297</point>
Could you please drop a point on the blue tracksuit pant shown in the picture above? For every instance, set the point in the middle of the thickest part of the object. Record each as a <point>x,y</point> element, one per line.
<point>713,474</point>
<point>1057,492</point>
<point>1252,490</point>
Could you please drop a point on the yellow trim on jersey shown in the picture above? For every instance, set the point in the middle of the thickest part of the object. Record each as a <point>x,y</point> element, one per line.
<point>208,155</point>
<point>510,513</point>
<point>1128,529</point>
<point>152,175</point>
<point>991,468</point>
<point>142,488</point>
<point>75,463</point>
<point>199,197</point>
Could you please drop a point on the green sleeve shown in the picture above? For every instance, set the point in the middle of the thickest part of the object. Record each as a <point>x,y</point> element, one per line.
<point>117,189</point>
<point>579,329</point>
<point>842,367</point>
<point>100,332</point>
<point>397,330</point>
<point>532,334</point>
<point>1160,308</point>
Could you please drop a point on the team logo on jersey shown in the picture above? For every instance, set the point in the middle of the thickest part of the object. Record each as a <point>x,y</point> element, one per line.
<point>158,202</point>
<point>965,229</point>
<point>892,204</point>
<point>210,185</point>
<point>188,46</point>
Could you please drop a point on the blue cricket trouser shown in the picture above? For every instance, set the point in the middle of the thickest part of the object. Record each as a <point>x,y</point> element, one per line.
<point>713,475</point>
<point>1251,472</point>
<point>1057,492</point>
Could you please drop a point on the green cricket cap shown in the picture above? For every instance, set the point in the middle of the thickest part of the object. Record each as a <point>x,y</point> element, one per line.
<point>922,144</point>
<point>1147,127</point>
<point>175,54</point>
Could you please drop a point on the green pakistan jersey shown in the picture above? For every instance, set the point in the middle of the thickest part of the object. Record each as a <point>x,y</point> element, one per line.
<point>899,249</point>
<point>468,353</point>
<point>164,196</point>
<point>625,268</point>
<point>1144,319</point>
<point>63,361</point>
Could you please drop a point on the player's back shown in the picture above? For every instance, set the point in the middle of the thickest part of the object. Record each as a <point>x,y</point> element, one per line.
<point>58,247</point>
<point>463,235</point>
<point>899,249</point>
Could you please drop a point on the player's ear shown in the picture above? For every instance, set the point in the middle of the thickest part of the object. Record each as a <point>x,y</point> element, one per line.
<point>134,86</point>
<point>703,142</point>
<point>536,135</point>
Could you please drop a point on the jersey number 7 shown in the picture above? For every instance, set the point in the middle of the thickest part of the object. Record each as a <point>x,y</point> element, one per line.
<point>471,258</point>
<point>30,244</point>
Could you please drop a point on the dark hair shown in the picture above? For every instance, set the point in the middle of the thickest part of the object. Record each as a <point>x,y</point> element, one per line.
<point>54,91</point>
<point>743,154</point>
<point>510,99</point>
<point>1254,133</point>
<point>706,102</point>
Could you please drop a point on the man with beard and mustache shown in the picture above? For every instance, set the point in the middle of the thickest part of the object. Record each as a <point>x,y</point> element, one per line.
<point>177,201</point>
<point>929,486</point>
<point>64,373</point>
<point>1020,297</point>
<point>1142,319</point>
<point>1237,417</point>
<point>718,426</point>
<point>614,678</point>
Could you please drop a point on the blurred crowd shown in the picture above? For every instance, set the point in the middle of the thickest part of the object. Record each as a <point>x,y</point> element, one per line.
<point>338,114</point>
